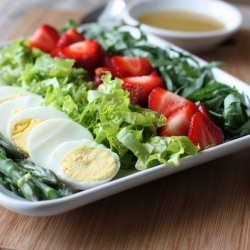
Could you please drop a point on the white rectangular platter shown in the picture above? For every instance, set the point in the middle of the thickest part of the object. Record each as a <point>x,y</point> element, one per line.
<point>45,208</point>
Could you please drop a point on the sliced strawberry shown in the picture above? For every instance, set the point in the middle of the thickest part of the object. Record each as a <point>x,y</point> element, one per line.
<point>57,52</point>
<point>69,37</point>
<point>87,53</point>
<point>178,122</point>
<point>107,61</point>
<point>140,86</point>
<point>165,102</point>
<point>99,72</point>
<point>202,108</point>
<point>204,132</point>
<point>132,66</point>
<point>45,38</point>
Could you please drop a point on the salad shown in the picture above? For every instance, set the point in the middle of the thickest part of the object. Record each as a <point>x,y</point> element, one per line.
<point>82,106</point>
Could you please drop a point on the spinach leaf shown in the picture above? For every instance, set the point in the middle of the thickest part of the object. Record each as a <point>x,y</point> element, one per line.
<point>226,106</point>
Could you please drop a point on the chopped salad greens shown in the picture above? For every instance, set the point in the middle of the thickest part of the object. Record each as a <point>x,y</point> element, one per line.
<point>106,111</point>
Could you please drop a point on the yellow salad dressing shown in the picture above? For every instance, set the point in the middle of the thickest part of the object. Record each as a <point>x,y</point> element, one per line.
<point>181,20</point>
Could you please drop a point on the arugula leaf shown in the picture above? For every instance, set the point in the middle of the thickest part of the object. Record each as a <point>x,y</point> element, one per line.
<point>233,113</point>
<point>226,105</point>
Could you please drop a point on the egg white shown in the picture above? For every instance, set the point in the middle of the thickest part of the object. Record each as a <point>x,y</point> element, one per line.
<point>57,156</point>
<point>8,109</point>
<point>46,136</point>
<point>9,92</point>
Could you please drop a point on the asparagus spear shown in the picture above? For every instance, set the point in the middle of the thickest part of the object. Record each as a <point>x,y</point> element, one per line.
<point>11,152</point>
<point>43,174</point>
<point>46,180</point>
<point>12,171</point>
<point>29,180</point>
<point>47,192</point>
<point>4,181</point>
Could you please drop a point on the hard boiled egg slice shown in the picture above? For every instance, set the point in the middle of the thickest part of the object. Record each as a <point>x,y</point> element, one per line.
<point>9,108</point>
<point>9,93</point>
<point>50,134</point>
<point>21,124</point>
<point>83,164</point>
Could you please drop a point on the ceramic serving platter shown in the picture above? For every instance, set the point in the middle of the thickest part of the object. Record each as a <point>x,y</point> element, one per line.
<point>45,208</point>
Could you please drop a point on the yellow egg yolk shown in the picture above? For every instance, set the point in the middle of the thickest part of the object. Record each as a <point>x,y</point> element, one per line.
<point>88,164</point>
<point>21,131</point>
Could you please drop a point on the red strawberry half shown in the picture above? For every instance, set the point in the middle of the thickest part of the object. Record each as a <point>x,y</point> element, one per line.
<point>69,37</point>
<point>165,102</point>
<point>140,86</point>
<point>204,132</point>
<point>45,38</point>
<point>57,52</point>
<point>178,122</point>
<point>132,66</point>
<point>86,53</point>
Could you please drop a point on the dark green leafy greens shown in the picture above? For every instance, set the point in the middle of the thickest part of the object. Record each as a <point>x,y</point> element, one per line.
<point>182,74</point>
<point>227,107</point>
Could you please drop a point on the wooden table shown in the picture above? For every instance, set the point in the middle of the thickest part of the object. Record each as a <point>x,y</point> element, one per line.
<point>207,207</point>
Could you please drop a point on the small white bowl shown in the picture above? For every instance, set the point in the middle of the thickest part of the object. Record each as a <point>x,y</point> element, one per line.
<point>192,41</point>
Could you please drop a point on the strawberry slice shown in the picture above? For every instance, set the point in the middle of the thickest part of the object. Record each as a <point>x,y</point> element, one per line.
<point>57,52</point>
<point>140,86</point>
<point>69,37</point>
<point>178,122</point>
<point>132,66</point>
<point>86,53</point>
<point>204,132</point>
<point>107,60</point>
<point>45,38</point>
<point>165,102</point>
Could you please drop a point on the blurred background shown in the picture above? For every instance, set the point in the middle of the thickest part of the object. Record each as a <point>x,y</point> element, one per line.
<point>12,10</point>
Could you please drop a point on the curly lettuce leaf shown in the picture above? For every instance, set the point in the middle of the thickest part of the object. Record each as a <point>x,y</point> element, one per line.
<point>109,111</point>
<point>157,150</point>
